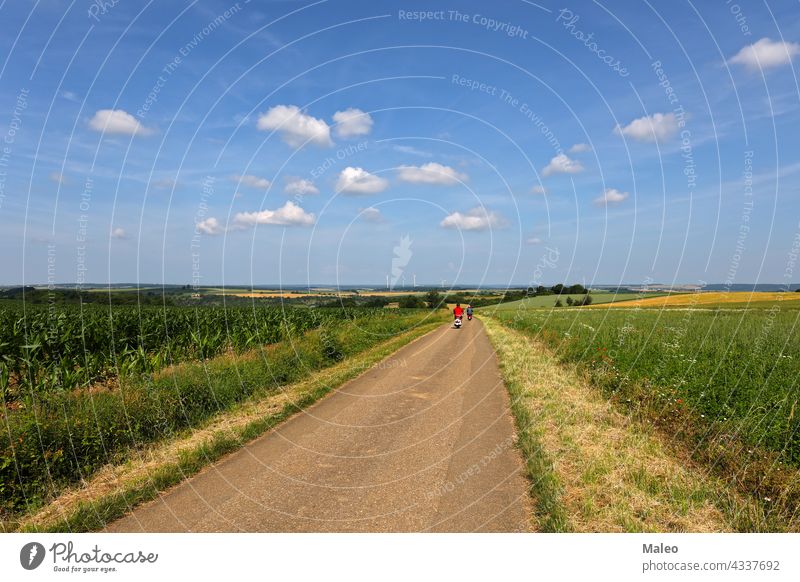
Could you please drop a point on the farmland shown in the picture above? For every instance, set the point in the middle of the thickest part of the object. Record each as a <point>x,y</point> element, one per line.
<point>70,347</point>
<point>723,380</point>
<point>598,297</point>
<point>86,385</point>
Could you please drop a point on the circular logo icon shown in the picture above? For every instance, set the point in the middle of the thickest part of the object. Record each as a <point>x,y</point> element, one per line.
<point>31,555</point>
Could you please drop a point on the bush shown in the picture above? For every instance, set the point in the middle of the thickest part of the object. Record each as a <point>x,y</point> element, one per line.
<point>434,299</point>
<point>411,302</point>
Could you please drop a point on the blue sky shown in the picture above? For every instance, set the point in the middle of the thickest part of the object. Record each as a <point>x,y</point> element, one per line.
<point>294,142</point>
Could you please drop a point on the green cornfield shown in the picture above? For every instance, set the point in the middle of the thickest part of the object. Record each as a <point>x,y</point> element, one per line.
<point>84,386</point>
<point>73,346</point>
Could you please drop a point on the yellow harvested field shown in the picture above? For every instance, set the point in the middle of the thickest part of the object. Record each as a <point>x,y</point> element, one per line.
<point>703,298</point>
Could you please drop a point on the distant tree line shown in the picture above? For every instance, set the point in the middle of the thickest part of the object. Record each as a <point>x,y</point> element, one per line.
<point>559,289</point>
<point>36,296</point>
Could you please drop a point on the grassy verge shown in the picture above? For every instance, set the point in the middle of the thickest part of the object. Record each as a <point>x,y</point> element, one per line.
<point>67,438</point>
<point>722,385</point>
<point>593,468</point>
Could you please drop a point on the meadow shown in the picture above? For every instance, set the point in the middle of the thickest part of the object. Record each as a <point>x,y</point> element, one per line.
<point>723,380</point>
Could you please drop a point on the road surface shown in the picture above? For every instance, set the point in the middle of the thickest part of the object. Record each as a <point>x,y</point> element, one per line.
<point>424,441</point>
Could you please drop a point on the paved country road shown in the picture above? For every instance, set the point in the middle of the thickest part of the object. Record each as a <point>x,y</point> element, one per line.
<point>422,442</point>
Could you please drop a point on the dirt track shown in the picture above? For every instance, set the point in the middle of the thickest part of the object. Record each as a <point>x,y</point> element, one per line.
<point>422,442</point>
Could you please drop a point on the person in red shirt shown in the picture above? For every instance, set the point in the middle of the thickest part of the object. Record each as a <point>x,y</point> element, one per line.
<point>458,311</point>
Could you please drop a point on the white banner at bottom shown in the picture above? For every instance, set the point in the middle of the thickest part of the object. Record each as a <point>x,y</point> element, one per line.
<point>389,557</point>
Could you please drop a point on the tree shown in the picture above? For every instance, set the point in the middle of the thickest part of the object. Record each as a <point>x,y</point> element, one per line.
<point>557,289</point>
<point>587,299</point>
<point>569,301</point>
<point>558,303</point>
<point>434,299</point>
<point>411,302</point>
<point>376,301</point>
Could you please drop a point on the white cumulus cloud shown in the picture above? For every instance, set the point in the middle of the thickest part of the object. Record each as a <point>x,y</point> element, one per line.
<point>534,240</point>
<point>430,173</point>
<point>611,197</point>
<point>118,233</point>
<point>300,187</point>
<point>650,128</point>
<point>475,219</point>
<point>119,122</point>
<point>562,164</point>
<point>296,128</point>
<point>251,181</point>
<point>209,226</point>
<point>290,214</point>
<point>371,214</point>
<point>359,181</point>
<point>352,122</point>
<point>766,54</point>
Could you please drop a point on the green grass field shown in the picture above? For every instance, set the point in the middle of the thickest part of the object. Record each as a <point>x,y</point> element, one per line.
<point>724,383</point>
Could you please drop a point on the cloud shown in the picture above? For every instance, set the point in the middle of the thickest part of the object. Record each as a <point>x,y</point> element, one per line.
<point>57,177</point>
<point>119,122</point>
<point>118,233</point>
<point>352,122</point>
<point>404,149</point>
<point>534,240</point>
<point>70,96</point>
<point>562,164</point>
<point>475,219</point>
<point>290,214</point>
<point>766,54</point>
<point>371,214</point>
<point>296,128</point>
<point>538,189</point>
<point>300,187</point>
<point>611,197</point>
<point>580,148</point>
<point>209,226</point>
<point>656,127</point>
<point>431,173</point>
<point>251,181</point>
<point>359,181</point>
